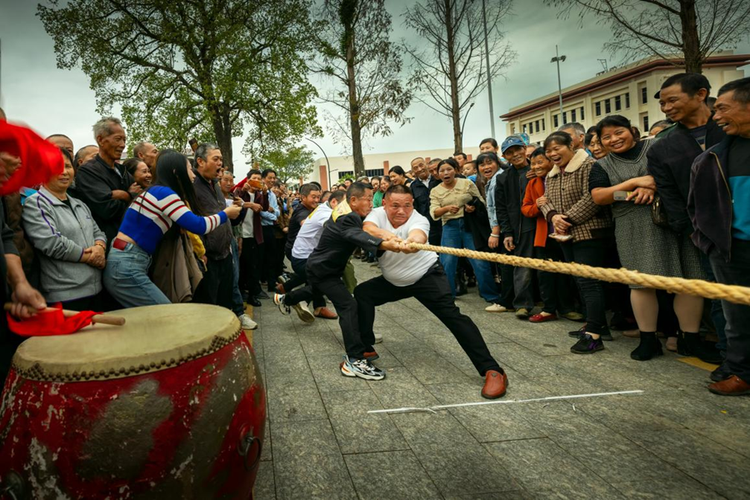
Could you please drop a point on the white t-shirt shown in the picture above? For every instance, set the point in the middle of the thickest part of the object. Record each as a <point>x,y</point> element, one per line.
<point>403,269</point>
<point>310,232</point>
<point>247,228</point>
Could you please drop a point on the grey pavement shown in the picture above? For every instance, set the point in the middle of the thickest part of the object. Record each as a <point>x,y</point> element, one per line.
<point>676,440</point>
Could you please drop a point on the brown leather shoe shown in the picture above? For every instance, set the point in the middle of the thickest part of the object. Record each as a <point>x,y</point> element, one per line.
<point>325,313</point>
<point>733,386</point>
<point>371,355</point>
<point>495,384</point>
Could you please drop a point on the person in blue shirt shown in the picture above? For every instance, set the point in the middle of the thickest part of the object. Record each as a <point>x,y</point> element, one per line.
<point>146,222</point>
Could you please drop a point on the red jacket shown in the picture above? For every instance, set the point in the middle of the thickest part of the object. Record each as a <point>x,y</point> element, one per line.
<point>534,190</point>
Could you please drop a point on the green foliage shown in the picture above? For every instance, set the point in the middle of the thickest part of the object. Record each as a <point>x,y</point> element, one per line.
<point>210,69</point>
<point>290,163</point>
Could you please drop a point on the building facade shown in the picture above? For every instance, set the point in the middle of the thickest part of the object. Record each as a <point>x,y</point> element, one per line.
<point>627,91</point>
<point>375,164</point>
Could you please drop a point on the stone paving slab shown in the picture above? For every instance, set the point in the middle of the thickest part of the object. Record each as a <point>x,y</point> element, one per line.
<point>674,441</point>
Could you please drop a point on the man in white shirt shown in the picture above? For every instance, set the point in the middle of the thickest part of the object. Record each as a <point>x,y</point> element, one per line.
<point>419,274</point>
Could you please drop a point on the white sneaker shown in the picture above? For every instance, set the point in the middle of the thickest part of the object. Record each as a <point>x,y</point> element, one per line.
<point>497,308</point>
<point>247,323</point>
<point>303,312</point>
<point>378,338</point>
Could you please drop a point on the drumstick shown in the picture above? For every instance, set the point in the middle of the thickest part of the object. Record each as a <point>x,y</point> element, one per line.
<point>104,319</point>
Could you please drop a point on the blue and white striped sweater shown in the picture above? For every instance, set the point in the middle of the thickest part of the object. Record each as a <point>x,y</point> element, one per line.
<point>152,213</point>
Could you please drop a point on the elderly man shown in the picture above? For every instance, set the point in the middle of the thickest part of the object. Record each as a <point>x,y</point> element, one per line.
<point>84,155</point>
<point>147,153</point>
<point>577,132</point>
<point>419,274</point>
<point>103,183</point>
<point>62,141</point>
<point>420,188</point>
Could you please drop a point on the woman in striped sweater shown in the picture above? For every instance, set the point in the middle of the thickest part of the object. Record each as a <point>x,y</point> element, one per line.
<point>146,221</point>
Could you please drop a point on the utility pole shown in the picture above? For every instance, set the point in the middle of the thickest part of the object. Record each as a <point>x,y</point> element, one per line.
<point>328,164</point>
<point>558,59</point>
<point>489,73</point>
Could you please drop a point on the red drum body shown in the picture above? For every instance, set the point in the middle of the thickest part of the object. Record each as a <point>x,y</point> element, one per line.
<point>186,422</point>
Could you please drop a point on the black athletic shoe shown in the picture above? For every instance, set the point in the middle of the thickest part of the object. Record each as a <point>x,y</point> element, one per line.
<point>587,345</point>
<point>578,333</point>
<point>721,373</point>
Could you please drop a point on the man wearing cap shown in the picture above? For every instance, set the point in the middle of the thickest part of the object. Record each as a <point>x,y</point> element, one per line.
<point>517,230</point>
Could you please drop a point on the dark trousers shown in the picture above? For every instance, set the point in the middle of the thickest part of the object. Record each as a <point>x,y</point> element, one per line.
<point>523,277</point>
<point>591,253</point>
<point>717,311</point>
<point>346,307</point>
<point>280,244</point>
<point>433,292</point>
<point>555,288</point>
<point>507,289</point>
<point>436,231</point>
<point>268,259</point>
<point>249,265</point>
<point>216,286</point>
<point>737,331</point>
<point>300,273</point>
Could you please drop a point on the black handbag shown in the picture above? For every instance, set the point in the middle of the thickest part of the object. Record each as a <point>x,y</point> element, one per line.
<point>658,214</point>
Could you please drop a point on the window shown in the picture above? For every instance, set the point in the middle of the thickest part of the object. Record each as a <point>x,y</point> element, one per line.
<point>565,117</point>
<point>557,120</point>
<point>645,124</point>
<point>536,126</point>
<point>573,115</point>
<point>374,171</point>
<point>618,103</point>
<point>524,128</point>
<point>598,108</point>
<point>583,117</point>
<point>607,107</point>
<point>644,95</point>
<point>512,128</point>
<point>544,127</point>
<point>350,173</point>
<point>627,100</point>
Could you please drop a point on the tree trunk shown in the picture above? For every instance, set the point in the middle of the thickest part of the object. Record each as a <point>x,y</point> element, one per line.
<point>223,131</point>
<point>354,124</point>
<point>455,107</point>
<point>690,40</point>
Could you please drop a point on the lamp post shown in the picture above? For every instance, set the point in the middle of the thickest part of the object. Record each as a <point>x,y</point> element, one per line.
<point>328,164</point>
<point>489,73</point>
<point>558,59</point>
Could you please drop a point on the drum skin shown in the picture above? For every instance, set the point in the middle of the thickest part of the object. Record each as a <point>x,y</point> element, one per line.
<point>193,430</point>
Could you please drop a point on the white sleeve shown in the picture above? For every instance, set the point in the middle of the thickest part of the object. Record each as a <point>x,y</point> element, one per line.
<point>420,222</point>
<point>376,217</point>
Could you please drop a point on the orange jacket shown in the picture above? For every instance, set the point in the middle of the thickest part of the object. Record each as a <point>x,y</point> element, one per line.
<point>534,190</point>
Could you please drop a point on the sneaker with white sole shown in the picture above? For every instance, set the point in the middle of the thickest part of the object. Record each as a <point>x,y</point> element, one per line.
<point>303,312</point>
<point>361,368</point>
<point>378,337</point>
<point>247,323</point>
<point>278,299</point>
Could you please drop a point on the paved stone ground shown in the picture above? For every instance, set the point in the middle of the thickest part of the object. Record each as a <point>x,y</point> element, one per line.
<point>675,441</point>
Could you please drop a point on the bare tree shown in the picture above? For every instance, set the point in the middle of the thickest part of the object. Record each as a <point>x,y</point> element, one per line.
<point>667,28</point>
<point>356,52</point>
<point>451,71</point>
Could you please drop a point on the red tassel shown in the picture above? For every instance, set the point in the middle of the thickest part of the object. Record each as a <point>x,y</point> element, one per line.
<point>40,159</point>
<point>50,322</point>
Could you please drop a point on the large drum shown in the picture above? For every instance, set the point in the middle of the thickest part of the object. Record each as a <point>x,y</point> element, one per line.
<point>171,405</point>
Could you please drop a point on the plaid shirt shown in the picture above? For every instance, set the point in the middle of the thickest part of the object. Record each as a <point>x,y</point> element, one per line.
<point>568,194</point>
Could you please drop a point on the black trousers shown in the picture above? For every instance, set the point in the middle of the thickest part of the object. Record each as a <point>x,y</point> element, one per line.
<point>346,307</point>
<point>249,265</point>
<point>591,253</point>
<point>433,292</point>
<point>300,273</point>
<point>268,261</point>
<point>556,288</point>
<point>217,285</point>
<point>735,272</point>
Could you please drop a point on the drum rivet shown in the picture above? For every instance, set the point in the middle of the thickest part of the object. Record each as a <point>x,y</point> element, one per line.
<point>153,365</point>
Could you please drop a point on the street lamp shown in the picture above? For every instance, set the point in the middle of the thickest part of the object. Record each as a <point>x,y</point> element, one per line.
<point>489,73</point>
<point>558,59</point>
<point>328,164</point>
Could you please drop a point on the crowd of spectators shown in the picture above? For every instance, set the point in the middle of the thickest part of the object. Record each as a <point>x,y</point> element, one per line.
<point>158,226</point>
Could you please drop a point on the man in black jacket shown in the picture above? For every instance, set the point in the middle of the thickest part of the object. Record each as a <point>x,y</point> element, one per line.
<point>518,231</point>
<point>420,189</point>
<point>103,183</point>
<point>683,99</point>
<point>325,269</point>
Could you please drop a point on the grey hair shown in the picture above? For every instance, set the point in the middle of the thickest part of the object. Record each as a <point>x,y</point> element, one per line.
<point>104,126</point>
<point>137,149</point>
<point>580,130</point>
<point>202,150</point>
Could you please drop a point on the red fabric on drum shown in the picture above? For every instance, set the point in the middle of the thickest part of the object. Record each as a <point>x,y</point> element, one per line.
<point>50,322</point>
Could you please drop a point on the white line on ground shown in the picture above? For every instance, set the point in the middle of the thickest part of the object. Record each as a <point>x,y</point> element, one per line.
<point>432,409</point>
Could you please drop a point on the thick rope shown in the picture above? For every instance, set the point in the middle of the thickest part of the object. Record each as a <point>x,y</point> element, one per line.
<point>700,288</point>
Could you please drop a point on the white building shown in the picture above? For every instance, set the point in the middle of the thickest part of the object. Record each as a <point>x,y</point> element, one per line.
<point>627,91</point>
<point>375,164</point>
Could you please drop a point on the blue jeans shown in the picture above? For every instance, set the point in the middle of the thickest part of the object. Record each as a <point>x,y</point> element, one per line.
<point>454,236</point>
<point>238,305</point>
<point>126,278</point>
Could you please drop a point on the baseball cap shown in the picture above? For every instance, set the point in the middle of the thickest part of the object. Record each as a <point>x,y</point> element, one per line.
<point>511,141</point>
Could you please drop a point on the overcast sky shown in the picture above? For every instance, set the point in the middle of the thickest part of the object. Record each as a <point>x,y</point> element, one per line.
<point>52,100</point>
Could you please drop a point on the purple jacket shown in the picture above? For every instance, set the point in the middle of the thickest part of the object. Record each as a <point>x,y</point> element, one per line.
<point>710,200</point>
